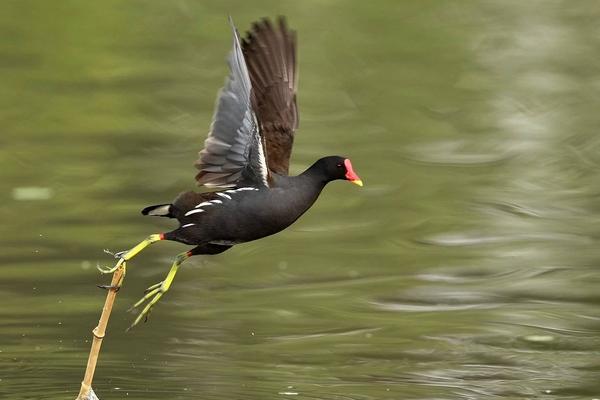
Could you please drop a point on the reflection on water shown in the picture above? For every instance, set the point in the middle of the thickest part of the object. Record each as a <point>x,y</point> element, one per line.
<point>466,268</point>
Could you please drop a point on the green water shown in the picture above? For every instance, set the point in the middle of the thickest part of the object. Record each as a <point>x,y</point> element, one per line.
<point>466,268</point>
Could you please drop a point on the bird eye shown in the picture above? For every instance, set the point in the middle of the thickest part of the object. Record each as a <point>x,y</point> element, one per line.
<point>339,165</point>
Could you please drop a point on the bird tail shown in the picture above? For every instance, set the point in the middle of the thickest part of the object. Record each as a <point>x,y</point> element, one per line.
<point>159,210</point>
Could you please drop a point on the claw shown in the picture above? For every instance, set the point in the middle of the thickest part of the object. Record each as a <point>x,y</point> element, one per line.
<point>107,251</point>
<point>116,288</point>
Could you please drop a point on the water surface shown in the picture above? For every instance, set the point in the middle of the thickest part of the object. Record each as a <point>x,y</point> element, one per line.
<point>467,267</point>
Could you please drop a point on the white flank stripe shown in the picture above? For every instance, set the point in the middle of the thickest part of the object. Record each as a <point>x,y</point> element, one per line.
<point>204,203</point>
<point>240,189</point>
<point>224,195</point>
<point>197,210</point>
<point>187,225</point>
<point>216,201</point>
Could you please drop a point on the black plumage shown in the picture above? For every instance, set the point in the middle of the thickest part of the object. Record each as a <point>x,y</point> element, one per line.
<point>246,158</point>
<point>251,212</point>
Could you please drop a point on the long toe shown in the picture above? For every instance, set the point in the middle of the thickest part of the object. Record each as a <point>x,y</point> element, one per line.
<point>154,287</point>
<point>151,297</point>
<point>107,270</point>
<point>146,311</point>
<point>147,296</point>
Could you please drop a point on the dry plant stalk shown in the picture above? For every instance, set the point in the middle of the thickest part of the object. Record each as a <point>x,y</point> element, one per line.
<point>86,392</point>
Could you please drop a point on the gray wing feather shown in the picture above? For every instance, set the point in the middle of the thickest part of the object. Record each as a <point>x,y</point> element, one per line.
<point>233,150</point>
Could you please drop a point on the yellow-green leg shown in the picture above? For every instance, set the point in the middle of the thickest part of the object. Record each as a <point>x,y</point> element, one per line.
<point>129,254</point>
<point>156,291</point>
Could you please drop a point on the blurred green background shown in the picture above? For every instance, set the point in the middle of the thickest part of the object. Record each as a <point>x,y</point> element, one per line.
<point>467,267</point>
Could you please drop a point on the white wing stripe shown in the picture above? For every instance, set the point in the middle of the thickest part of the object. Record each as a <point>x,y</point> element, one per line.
<point>264,171</point>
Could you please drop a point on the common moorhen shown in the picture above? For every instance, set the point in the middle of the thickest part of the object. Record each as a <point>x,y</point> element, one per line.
<point>246,157</point>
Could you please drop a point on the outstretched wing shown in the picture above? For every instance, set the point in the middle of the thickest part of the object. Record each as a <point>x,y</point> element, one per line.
<point>270,53</point>
<point>233,152</point>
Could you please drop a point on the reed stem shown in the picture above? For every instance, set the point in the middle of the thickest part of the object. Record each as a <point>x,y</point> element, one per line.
<point>98,333</point>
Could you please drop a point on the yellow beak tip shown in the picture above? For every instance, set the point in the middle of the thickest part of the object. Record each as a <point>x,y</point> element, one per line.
<point>357,182</point>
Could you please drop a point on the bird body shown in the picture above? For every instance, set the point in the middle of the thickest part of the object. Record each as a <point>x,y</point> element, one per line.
<point>245,213</point>
<point>246,158</point>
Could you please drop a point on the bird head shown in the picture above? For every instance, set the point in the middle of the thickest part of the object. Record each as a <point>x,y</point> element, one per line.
<point>336,167</point>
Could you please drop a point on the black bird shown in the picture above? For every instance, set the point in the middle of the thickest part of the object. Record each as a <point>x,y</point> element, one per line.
<point>246,157</point>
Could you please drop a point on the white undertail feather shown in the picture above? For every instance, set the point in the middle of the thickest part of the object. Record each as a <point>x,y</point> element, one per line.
<point>160,211</point>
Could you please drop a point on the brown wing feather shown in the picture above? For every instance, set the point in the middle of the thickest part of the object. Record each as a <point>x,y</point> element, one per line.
<point>270,54</point>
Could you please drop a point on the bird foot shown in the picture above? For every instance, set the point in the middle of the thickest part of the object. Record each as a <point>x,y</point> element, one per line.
<point>152,296</point>
<point>127,255</point>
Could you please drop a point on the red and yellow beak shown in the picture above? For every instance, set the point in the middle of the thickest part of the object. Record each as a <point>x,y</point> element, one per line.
<point>350,174</point>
